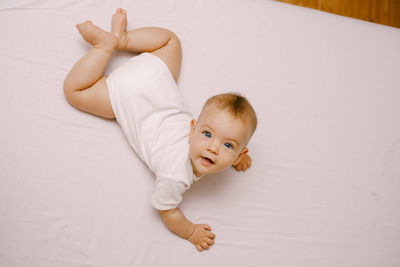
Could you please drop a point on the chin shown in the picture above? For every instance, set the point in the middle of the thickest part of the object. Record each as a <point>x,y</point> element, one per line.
<point>204,171</point>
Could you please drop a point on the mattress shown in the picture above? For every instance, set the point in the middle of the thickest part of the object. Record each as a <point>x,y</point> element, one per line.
<point>324,187</point>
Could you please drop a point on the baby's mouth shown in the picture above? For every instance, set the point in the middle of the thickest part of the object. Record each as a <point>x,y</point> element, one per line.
<point>208,161</point>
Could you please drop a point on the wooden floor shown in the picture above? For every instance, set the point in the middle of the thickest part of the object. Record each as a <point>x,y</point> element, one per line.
<point>385,12</point>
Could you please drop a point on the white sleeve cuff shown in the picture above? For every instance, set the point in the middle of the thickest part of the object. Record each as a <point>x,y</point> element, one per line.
<point>168,194</point>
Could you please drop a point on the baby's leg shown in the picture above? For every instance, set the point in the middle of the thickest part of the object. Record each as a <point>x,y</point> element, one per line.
<point>158,41</point>
<point>85,87</point>
<point>90,68</point>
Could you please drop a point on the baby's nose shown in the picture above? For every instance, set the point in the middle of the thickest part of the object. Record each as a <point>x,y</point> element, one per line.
<point>213,148</point>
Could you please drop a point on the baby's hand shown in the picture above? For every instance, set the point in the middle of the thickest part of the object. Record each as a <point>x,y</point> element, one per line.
<point>202,238</point>
<point>244,164</point>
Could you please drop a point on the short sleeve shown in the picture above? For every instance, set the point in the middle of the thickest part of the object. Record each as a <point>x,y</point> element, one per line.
<point>168,194</point>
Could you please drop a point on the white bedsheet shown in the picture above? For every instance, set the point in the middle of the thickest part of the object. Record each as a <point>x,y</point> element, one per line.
<point>324,189</point>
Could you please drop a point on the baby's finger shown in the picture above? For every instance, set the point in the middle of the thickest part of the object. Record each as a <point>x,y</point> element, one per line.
<point>244,167</point>
<point>239,166</point>
<point>204,245</point>
<point>209,241</point>
<point>210,235</point>
<point>207,227</point>
<point>199,248</point>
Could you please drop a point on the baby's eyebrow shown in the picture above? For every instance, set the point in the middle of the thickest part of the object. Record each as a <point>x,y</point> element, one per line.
<point>207,126</point>
<point>234,141</point>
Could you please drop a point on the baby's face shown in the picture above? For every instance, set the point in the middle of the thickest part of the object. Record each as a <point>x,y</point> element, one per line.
<point>217,141</point>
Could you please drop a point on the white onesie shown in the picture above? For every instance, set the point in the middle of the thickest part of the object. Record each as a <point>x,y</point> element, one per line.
<point>146,103</point>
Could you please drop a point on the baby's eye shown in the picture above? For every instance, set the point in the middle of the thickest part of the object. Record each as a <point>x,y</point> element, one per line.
<point>207,134</point>
<point>227,145</point>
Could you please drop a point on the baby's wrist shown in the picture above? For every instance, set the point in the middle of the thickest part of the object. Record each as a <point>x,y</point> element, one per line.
<point>191,231</point>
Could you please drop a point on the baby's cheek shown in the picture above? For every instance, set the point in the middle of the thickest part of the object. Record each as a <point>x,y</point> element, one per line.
<point>233,158</point>
<point>228,161</point>
<point>195,146</point>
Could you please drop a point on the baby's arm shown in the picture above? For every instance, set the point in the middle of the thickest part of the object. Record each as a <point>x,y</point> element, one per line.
<point>199,234</point>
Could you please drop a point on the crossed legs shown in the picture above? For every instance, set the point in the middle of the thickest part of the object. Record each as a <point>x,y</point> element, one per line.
<point>85,86</point>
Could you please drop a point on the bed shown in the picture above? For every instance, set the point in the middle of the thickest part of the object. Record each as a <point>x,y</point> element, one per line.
<point>324,188</point>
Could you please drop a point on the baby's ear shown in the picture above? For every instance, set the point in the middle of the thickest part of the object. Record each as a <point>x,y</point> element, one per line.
<point>245,150</point>
<point>192,126</point>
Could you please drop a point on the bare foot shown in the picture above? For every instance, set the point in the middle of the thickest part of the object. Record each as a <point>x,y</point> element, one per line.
<point>96,36</point>
<point>118,24</point>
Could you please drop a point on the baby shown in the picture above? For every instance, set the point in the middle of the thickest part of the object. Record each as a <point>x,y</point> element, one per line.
<point>142,95</point>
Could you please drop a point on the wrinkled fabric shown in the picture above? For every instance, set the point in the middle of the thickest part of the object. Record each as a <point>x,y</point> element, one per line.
<point>323,189</point>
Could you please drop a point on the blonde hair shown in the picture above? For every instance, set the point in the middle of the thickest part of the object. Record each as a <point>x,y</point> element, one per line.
<point>238,106</point>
